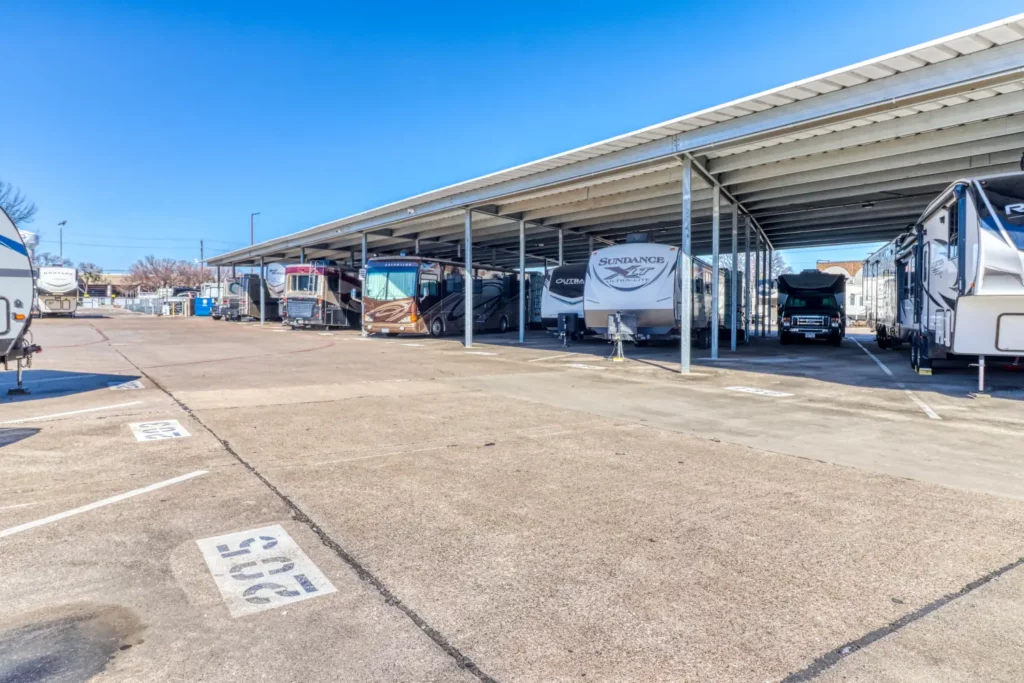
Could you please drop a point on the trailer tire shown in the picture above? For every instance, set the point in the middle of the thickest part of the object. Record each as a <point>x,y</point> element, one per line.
<point>784,338</point>
<point>913,352</point>
<point>704,339</point>
<point>503,324</point>
<point>837,340</point>
<point>436,327</point>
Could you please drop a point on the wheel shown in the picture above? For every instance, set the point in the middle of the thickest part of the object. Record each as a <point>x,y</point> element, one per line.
<point>392,334</point>
<point>837,340</point>
<point>503,324</point>
<point>639,343</point>
<point>436,327</point>
<point>784,338</point>
<point>914,360</point>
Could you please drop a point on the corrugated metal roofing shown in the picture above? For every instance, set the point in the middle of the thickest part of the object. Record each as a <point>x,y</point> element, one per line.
<point>971,81</point>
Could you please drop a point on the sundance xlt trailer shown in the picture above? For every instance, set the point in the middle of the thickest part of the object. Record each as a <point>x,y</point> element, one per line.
<point>416,295</point>
<point>958,276</point>
<point>57,289</point>
<point>642,279</point>
<point>563,294</point>
<point>245,305</point>
<point>16,291</point>
<point>812,305</point>
<point>321,295</point>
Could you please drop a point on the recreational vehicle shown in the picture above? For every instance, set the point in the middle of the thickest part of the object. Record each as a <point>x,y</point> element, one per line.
<point>563,294</point>
<point>416,295</point>
<point>320,295</point>
<point>16,291</point>
<point>249,298</point>
<point>954,285</point>
<point>57,289</point>
<point>812,305</point>
<point>642,279</point>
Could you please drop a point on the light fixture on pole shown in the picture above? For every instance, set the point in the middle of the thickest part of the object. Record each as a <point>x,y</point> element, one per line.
<point>61,226</point>
<point>252,233</point>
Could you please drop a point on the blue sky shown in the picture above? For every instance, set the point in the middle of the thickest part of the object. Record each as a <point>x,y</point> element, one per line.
<point>150,126</point>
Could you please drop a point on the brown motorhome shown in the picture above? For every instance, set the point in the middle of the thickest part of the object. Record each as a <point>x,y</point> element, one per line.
<point>320,295</point>
<point>416,295</point>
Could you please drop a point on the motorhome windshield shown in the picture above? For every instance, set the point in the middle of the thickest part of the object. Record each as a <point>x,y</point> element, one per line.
<point>391,283</point>
<point>798,302</point>
<point>1007,198</point>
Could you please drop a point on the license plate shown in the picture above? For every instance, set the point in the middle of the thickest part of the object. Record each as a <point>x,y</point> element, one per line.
<point>385,330</point>
<point>808,335</point>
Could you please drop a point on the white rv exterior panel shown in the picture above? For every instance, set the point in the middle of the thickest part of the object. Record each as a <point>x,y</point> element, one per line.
<point>15,286</point>
<point>633,278</point>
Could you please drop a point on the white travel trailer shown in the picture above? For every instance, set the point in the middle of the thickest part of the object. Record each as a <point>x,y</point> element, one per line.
<point>954,285</point>
<point>642,279</point>
<point>16,291</point>
<point>563,293</point>
<point>57,289</point>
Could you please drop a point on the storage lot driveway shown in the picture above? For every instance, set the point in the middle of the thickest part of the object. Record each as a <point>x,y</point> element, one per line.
<point>516,514</point>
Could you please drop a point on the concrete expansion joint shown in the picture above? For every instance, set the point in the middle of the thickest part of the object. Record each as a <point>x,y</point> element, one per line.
<point>833,657</point>
<point>299,515</point>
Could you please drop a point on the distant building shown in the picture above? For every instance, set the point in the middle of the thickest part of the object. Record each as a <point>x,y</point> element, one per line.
<point>108,286</point>
<point>854,288</point>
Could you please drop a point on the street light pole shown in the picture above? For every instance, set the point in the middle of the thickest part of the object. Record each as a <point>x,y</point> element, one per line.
<point>61,226</point>
<point>252,232</point>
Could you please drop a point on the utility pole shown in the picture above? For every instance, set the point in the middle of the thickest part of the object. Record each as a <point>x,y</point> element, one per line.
<point>202,259</point>
<point>61,226</point>
<point>252,232</point>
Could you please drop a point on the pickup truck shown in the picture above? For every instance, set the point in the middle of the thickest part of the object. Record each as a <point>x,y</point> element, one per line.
<point>812,306</point>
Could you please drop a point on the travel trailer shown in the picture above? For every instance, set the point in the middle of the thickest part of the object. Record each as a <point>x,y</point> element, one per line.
<point>417,295</point>
<point>321,295</point>
<point>226,306</point>
<point>57,291</point>
<point>16,291</point>
<point>249,298</point>
<point>642,279</point>
<point>954,284</point>
<point>563,293</point>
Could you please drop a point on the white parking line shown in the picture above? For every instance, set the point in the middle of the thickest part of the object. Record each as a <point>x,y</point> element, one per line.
<point>922,405</point>
<point>482,353</point>
<point>98,504</point>
<point>72,412</point>
<point>412,344</point>
<point>559,355</point>
<point>14,507</point>
<point>873,357</point>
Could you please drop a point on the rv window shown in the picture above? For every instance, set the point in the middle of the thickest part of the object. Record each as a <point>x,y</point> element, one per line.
<point>453,284</point>
<point>825,301</point>
<point>333,283</point>
<point>953,248</point>
<point>1007,197</point>
<point>428,286</point>
<point>303,283</point>
<point>698,286</point>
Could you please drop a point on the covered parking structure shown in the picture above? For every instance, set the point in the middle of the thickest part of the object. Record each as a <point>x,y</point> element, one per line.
<point>853,155</point>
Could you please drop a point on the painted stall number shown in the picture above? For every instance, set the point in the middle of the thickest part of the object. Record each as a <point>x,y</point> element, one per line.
<point>261,569</point>
<point>155,431</point>
<point>125,386</point>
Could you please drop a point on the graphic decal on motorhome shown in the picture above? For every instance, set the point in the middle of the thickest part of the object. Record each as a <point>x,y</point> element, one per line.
<point>630,273</point>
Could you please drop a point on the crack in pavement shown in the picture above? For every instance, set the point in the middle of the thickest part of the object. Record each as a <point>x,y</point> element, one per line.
<point>833,657</point>
<point>461,660</point>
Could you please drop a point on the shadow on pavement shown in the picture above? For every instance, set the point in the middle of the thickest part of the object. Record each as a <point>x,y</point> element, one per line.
<point>50,383</point>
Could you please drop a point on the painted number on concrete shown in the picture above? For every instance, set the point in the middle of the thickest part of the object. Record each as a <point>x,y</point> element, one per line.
<point>160,429</point>
<point>759,392</point>
<point>125,386</point>
<point>261,569</point>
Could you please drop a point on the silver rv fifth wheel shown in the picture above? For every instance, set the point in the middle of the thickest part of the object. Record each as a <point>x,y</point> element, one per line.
<point>58,291</point>
<point>16,292</point>
<point>642,279</point>
<point>954,284</point>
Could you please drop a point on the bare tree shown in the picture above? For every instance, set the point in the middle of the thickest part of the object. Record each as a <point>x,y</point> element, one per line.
<point>17,205</point>
<point>46,259</point>
<point>152,273</point>
<point>90,273</point>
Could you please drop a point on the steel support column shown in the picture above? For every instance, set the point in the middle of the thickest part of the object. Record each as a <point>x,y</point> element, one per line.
<point>218,287</point>
<point>768,306</point>
<point>734,276</point>
<point>591,246</point>
<point>747,263</point>
<point>764,278</point>
<point>561,239</point>
<point>362,288</point>
<point>302,254</point>
<point>757,282</point>
<point>716,294</point>
<point>468,283</point>
<point>685,269</point>
<point>522,281</point>
<point>263,289</point>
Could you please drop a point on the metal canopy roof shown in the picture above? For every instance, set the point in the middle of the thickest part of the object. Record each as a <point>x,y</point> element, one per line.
<point>853,155</point>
